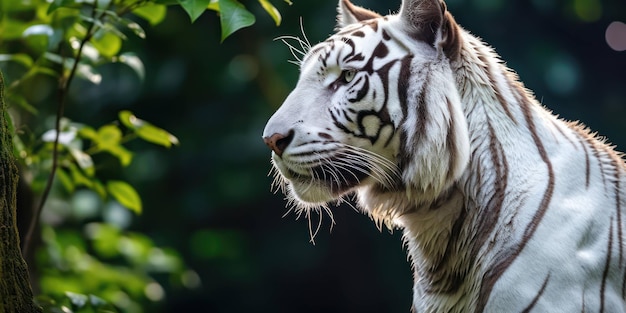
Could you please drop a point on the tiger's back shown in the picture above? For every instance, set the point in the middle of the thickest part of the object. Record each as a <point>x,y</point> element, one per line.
<point>504,207</point>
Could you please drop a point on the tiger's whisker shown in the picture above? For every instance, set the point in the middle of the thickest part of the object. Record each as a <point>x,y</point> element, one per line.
<point>306,43</point>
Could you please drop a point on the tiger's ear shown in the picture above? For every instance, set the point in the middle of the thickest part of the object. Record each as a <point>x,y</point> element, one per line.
<point>430,21</point>
<point>349,13</point>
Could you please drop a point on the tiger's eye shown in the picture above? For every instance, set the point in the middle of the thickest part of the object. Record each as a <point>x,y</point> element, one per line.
<point>348,75</point>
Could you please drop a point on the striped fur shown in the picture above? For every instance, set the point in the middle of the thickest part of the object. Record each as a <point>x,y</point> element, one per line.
<point>504,207</point>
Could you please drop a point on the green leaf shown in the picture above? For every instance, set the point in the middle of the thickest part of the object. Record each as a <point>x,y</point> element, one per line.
<point>153,13</point>
<point>89,73</point>
<point>39,29</point>
<point>77,300</point>
<point>84,70</point>
<point>78,178</point>
<point>127,118</point>
<point>147,131</point>
<point>134,62</point>
<point>17,6</point>
<point>88,133</point>
<point>12,28</point>
<point>125,194</point>
<point>83,160</point>
<point>233,16</point>
<point>156,135</point>
<point>134,27</point>
<point>98,187</point>
<point>136,247</point>
<point>62,4</point>
<point>214,5</point>
<point>21,102</point>
<point>272,11</point>
<point>105,238</point>
<point>127,23</point>
<point>102,26</point>
<point>107,43</point>
<point>194,8</point>
<point>64,20</point>
<point>121,153</point>
<point>44,71</point>
<point>164,260</point>
<point>97,301</point>
<point>65,180</point>
<point>109,136</point>
<point>21,58</point>
<point>38,37</point>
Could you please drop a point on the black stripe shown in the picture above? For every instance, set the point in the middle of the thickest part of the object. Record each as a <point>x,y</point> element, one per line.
<point>451,143</point>
<point>596,154</point>
<point>361,93</point>
<point>624,285</point>
<point>492,275</point>
<point>587,162</point>
<point>539,294</point>
<point>450,279</point>
<point>616,162</point>
<point>404,77</point>
<point>607,265</point>
<point>488,69</point>
<point>422,112</point>
<point>489,218</point>
<point>547,197</point>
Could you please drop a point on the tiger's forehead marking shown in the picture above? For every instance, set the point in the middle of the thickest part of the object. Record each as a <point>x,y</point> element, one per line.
<point>348,36</point>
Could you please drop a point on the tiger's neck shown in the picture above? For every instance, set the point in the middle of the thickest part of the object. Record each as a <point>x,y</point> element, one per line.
<point>444,237</point>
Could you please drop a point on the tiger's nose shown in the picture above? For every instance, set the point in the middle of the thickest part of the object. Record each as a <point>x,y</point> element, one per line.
<point>279,142</point>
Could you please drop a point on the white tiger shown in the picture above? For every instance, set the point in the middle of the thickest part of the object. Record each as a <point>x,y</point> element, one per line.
<point>503,206</point>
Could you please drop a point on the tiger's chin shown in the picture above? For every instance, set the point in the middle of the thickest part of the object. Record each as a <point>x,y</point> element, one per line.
<point>318,191</point>
<point>318,186</point>
<point>307,194</point>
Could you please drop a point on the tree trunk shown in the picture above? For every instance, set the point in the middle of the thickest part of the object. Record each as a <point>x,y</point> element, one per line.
<point>16,295</point>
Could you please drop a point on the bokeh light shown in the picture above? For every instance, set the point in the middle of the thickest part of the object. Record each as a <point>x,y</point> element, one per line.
<point>588,10</point>
<point>562,75</point>
<point>616,36</point>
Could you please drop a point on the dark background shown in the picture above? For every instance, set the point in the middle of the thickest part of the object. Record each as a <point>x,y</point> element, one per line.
<point>210,197</point>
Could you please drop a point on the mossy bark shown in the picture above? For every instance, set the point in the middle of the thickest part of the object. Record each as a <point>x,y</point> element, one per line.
<point>16,295</point>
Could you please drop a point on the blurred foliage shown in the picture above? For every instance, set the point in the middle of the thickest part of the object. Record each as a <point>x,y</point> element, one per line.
<point>120,267</point>
<point>75,303</point>
<point>87,261</point>
<point>210,198</point>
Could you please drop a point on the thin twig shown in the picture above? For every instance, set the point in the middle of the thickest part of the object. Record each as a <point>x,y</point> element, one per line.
<point>64,86</point>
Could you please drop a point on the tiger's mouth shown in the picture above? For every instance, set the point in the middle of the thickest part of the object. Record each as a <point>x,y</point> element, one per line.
<point>322,176</point>
<point>337,179</point>
<point>324,182</point>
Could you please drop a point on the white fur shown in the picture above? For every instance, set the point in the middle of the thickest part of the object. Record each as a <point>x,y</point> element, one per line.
<point>528,210</point>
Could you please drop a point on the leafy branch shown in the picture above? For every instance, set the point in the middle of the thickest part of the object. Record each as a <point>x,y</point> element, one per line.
<point>68,39</point>
<point>64,85</point>
<point>103,35</point>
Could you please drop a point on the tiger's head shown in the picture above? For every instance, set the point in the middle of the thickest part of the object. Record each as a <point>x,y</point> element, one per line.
<point>375,111</point>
